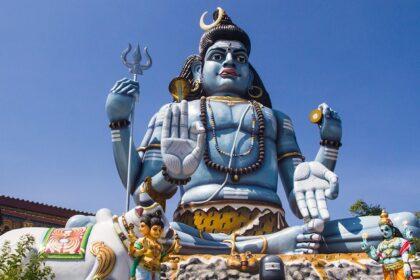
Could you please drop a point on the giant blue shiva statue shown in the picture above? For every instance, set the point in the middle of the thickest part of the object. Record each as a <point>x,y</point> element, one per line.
<point>223,148</point>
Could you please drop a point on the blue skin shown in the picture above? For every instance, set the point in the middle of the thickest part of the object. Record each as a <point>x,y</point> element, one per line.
<point>233,55</point>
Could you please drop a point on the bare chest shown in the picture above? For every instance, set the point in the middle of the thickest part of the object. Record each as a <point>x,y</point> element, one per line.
<point>225,118</point>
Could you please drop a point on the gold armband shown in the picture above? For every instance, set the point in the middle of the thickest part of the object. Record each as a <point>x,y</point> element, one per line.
<point>157,196</point>
<point>292,154</point>
<point>151,146</point>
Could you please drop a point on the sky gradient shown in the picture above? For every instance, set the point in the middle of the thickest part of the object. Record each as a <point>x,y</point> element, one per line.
<point>58,60</point>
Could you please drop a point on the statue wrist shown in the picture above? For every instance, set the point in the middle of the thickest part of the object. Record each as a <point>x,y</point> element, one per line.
<point>173,181</point>
<point>156,196</point>
<point>119,124</point>
<point>330,143</point>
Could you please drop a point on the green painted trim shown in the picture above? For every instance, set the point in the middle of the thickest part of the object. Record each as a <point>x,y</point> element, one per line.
<point>46,236</point>
<point>86,237</point>
<point>79,256</point>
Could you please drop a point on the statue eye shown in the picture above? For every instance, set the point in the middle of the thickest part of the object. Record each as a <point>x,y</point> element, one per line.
<point>217,56</point>
<point>241,58</point>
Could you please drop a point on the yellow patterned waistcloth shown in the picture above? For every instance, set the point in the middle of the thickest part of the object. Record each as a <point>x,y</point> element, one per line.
<point>394,266</point>
<point>233,218</point>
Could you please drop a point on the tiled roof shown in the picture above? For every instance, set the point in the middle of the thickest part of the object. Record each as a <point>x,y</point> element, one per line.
<point>39,207</point>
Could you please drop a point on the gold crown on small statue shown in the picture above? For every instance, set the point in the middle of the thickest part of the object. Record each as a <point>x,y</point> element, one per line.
<point>384,219</point>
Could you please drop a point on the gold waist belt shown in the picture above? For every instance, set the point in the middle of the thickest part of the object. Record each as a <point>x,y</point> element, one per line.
<point>394,266</point>
<point>242,221</point>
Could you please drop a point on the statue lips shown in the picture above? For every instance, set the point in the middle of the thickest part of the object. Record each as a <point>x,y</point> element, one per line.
<point>228,73</point>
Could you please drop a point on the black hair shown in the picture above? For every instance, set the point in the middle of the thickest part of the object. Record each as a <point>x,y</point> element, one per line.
<point>397,232</point>
<point>145,219</point>
<point>156,219</point>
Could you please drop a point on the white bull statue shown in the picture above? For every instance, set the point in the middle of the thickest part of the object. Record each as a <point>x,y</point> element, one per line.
<point>105,253</point>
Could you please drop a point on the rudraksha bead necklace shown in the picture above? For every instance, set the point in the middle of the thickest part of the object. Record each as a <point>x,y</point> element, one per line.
<point>214,136</point>
<point>235,173</point>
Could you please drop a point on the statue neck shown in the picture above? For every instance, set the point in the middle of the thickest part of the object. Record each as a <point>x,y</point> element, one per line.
<point>389,238</point>
<point>226,94</point>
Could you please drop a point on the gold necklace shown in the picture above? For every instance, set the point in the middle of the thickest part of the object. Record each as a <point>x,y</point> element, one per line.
<point>389,241</point>
<point>229,100</point>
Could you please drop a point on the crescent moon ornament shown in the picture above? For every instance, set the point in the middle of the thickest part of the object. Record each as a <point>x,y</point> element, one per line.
<point>206,27</point>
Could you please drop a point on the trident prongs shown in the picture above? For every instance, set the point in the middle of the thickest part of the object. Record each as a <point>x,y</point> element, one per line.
<point>135,67</point>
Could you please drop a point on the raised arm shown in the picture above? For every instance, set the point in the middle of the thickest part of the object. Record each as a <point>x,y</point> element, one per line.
<point>119,104</point>
<point>171,155</point>
<point>307,184</point>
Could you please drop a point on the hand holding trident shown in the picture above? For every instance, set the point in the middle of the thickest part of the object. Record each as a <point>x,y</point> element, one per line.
<point>136,69</point>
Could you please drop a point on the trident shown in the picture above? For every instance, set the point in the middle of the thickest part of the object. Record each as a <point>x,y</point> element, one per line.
<point>136,69</point>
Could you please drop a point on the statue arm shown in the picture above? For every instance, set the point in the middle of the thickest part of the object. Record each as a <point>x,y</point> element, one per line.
<point>330,134</point>
<point>151,157</point>
<point>374,254</point>
<point>120,146</point>
<point>181,150</point>
<point>288,156</point>
<point>307,184</point>
<point>405,258</point>
<point>119,105</point>
<point>145,163</point>
<point>146,160</point>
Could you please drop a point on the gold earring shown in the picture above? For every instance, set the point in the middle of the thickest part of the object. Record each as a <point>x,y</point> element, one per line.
<point>255,96</point>
<point>196,85</point>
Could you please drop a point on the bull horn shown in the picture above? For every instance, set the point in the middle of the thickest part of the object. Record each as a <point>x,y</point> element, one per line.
<point>206,27</point>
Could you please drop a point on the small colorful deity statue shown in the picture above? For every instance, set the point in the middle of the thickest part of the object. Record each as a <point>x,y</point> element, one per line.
<point>147,251</point>
<point>393,252</point>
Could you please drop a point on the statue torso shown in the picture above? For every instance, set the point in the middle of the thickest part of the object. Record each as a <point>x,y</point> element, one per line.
<point>254,196</point>
<point>260,185</point>
<point>390,250</point>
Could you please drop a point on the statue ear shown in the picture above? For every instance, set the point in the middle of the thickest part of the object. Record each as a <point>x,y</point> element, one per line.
<point>196,69</point>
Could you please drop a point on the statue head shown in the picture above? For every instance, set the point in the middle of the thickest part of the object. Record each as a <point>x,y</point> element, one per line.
<point>387,227</point>
<point>222,66</point>
<point>144,226</point>
<point>387,231</point>
<point>156,225</point>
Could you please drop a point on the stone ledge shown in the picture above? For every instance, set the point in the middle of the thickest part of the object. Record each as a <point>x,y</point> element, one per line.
<point>311,266</point>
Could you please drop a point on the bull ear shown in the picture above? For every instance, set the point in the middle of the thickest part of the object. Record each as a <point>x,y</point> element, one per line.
<point>196,67</point>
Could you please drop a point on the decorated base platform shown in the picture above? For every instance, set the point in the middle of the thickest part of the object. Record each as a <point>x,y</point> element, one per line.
<point>311,266</point>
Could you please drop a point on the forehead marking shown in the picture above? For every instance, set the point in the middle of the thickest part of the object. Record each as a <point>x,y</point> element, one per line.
<point>228,44</point>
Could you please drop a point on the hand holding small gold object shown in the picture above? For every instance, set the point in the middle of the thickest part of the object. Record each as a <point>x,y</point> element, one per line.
<point>365,236</point>
<point>131,235</point>
<point>315,116</point>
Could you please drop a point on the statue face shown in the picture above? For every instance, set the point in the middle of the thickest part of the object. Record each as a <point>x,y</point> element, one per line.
<point>144,229</point>
<point>226,69</point>
<point>387,231</point>
<point>156,231</point>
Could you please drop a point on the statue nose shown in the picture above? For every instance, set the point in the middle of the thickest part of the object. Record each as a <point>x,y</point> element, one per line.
<point>228,60</point>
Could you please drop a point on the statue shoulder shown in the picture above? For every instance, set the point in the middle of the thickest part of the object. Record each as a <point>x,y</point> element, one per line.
<point>284,123</point>
<point>280,116</point>
<point>161,112</point>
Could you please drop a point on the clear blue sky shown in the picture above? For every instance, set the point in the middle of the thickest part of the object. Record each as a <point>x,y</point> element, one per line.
<point>58,60</point>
